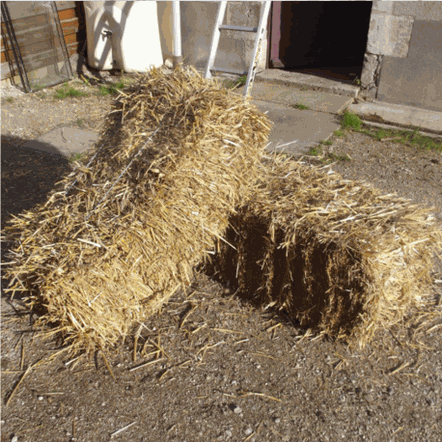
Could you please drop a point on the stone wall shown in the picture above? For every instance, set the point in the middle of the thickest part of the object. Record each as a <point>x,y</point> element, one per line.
<point>235,48</point>
<point>403,59</point>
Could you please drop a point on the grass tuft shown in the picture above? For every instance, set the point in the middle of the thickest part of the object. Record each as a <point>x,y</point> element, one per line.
<point>235,84</point>
<point>112,89</point>
<point>315,151</point>
<point>76,157</point>
<point>300,106</point>
<point>351,121</point>
<point>326,142</point>
<point>407,137</point>
<point>68,91</point>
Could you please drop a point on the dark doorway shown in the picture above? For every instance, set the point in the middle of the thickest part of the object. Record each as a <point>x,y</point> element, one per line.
<point>321,38</point>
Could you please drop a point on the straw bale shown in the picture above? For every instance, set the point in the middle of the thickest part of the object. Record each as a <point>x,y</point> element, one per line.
<point>337,255</point>
<point>124,231</point>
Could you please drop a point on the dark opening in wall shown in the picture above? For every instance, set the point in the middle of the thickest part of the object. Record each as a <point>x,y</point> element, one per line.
<point>322,38</point>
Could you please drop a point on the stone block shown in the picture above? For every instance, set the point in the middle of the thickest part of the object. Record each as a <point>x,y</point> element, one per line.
<point>423,10</point>
<point>243,13</point>
<point>369,69</point>
<point>383,6</point>
<point>416,80</point>
<point>389,35</point>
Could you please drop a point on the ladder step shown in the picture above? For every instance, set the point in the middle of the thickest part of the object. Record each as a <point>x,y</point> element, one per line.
<point>229,71</point>
<point>257,49</point>
<point>238,28</point>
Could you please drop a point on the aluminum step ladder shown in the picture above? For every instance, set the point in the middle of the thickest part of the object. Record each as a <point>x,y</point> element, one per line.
<point>260,32</point>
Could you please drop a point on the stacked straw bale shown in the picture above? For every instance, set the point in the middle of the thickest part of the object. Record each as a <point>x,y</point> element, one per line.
<point>120,235</point>
<point>337,255</point>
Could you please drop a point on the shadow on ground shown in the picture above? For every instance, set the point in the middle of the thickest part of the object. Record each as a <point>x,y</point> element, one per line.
<point>28,176</point>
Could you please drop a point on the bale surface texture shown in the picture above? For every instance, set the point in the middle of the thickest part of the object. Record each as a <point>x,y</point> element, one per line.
<point>337,255</point>
<point>124,231</point>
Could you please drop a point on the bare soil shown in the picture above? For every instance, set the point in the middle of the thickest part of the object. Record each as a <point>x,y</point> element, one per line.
<point>210,366</point>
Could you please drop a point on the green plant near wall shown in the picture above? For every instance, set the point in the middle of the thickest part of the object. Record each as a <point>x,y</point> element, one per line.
<point>235,84</point>
<point>408,137</point>
<point>351,121</point>
<point>112,89</point>
<point>241,81</point>
<point>68,91</point>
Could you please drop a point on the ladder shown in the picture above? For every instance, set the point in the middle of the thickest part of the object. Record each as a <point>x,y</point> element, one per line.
<point>260,32</point>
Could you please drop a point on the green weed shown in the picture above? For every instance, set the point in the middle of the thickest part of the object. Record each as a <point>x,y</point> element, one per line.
<point>411,138</point>
<point>380,134</point>
<point>326,142</point>
<point>315,151</point>
<point>300,106</point>
<point>351,121</point>
<point>112,89</point>
<point>423,142</point>
<point>339,157</point>
<point>35,87</point>
<point>68,91</point>
<point>76,157</point>
<point>325,157</point>
<point>242,80</point>
<point>234,84</point>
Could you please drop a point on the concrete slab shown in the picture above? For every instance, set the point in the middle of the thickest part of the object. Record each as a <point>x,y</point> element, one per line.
<point>406,116</point>
<point>307,82</point>
<point>291,96</point>
<point>295,131</point>
<point>66,141</point>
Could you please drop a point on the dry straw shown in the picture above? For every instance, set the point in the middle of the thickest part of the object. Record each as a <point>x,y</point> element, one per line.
<point>119,236</point>
<point>337,255</point>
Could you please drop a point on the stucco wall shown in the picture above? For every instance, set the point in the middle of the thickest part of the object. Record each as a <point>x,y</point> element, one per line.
<point>403,60</point>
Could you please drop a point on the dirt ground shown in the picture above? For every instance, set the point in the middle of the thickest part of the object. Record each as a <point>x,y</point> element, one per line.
<point>209,366</point>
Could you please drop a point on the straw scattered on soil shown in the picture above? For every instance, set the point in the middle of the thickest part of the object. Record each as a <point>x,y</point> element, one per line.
<point>337,255</point>
<point>122,233</point>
